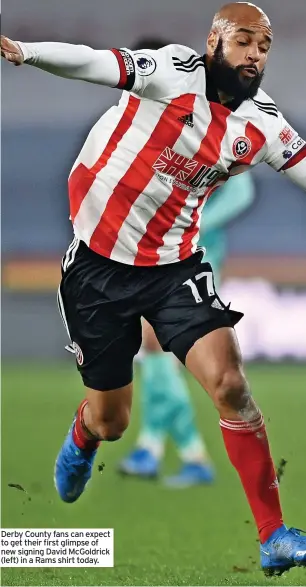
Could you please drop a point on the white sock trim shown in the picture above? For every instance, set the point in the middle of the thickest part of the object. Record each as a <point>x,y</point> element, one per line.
<point>254,424</point>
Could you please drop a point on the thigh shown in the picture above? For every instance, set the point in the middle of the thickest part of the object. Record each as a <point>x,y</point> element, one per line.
<point>104,330</point>
<point>214,356</point>
<point>191,311</point>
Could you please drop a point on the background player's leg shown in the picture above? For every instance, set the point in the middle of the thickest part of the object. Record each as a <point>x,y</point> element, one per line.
<point>215,361</point>
<point>154,382</point>
<point>144,460</point>
<point>166,409</point>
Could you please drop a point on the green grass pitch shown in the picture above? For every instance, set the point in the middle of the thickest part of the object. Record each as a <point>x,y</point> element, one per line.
<point>198,536</point>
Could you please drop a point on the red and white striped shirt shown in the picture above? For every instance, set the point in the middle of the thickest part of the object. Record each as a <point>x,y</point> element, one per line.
<point>148,166</point>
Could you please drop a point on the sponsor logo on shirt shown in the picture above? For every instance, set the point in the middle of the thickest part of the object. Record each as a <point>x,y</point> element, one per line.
<point>242,146</point>
<point>293,148</point>
<point>297,144</point>
<point>286,135</point>
<point>188,174</point>
<point>146,65</point>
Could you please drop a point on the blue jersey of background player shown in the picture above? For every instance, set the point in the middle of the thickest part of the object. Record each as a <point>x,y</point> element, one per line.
<point>166,405</point>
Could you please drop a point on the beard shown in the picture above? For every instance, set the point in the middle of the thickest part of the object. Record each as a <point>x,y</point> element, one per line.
<point>230,80</point>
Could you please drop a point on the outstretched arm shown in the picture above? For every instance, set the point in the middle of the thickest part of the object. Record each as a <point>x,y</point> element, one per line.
<point>65,60</point>
<point>148,73</point>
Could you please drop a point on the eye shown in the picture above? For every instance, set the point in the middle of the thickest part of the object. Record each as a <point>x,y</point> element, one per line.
<point>263,49</point>
<point>242,43</point>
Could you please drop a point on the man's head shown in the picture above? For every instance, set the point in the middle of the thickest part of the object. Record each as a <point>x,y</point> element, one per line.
<point>237,49</point>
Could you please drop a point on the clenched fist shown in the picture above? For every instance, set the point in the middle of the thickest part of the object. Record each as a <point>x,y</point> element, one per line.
<point>11,51</point>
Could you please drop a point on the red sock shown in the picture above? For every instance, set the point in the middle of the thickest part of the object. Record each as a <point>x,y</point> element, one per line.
<point>248,450</point>
<point>81,435</point>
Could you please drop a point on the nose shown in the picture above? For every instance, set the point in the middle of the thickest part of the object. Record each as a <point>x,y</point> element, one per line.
<point>253,53</point>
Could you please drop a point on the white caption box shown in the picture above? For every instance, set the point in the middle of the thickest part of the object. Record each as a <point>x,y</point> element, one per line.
<point>49,547</point>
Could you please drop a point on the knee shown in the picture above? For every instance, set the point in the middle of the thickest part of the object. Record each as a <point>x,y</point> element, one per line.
<point>111,428</point>
<point>231,390</point>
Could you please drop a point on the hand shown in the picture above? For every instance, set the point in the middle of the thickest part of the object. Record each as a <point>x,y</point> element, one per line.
<point>11,51</point>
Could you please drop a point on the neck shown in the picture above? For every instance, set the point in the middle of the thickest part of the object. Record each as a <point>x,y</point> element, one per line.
<point>224,98</point>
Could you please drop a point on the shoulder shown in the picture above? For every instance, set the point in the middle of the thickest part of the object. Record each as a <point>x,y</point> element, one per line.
<point>159,72</point>
<point>265,104</point>
<point>175,56</point>
<point>268,115</point>
<point>282,139</point>
<point>185,59</point>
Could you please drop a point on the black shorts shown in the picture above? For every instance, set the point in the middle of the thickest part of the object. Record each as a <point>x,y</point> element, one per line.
<point>102,301</point>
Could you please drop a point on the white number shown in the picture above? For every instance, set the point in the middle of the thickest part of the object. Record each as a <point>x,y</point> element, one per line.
<point>194,289</point>
<point>210,281</point>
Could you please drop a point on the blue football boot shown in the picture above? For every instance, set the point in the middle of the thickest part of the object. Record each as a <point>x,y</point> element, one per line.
<point>286,548</point>
<point>139,463</point>
<point>191,474</point>
<point>73,469</point>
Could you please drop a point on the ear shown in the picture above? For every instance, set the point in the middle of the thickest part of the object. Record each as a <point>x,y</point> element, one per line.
<point>212,42</point>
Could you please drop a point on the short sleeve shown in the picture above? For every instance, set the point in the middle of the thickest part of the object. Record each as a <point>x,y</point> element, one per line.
<point>152,73</point>
<point>287,148</point>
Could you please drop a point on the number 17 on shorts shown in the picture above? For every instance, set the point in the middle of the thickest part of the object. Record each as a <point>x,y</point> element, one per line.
<point>192,283</point>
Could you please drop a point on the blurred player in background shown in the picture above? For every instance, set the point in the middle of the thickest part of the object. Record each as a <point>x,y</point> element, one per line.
<point>166,404</point>
<point>184,125</point>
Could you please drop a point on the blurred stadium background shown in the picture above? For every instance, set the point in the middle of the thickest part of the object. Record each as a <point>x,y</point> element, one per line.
<point>44,122</point>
